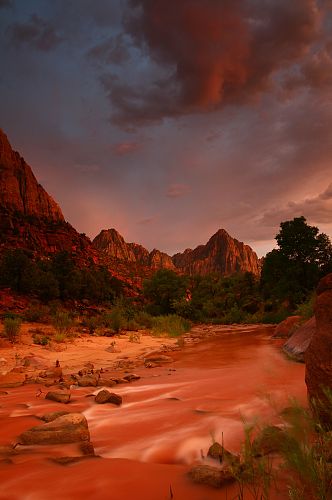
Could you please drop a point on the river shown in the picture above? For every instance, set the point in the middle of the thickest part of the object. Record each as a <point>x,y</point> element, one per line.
<point>167,421</point>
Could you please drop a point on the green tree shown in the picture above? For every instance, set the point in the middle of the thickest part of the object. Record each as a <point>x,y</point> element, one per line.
<point>303,257</point>
<point>163,290</point>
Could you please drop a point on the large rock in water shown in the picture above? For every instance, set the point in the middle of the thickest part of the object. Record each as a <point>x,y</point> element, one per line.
<point>297,345</point>
<point>71,428</point>
<point>318,358</point>
<point>287,327</point>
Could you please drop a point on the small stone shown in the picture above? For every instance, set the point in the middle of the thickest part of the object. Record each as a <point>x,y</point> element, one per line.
<point>108,397</point>
<point>131,377</point>
<point>87,381</point>
<point>59,397</point>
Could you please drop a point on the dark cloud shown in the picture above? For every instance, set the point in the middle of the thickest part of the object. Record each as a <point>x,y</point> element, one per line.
<point>37,33</point>
<point>5,4</point>
<point>215,52</point>
<point>113,50</point>
<point>317,209</point>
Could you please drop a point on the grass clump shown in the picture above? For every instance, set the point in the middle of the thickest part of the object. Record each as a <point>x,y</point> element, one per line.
<point>171,325</point>
<point>11,328</point>
<point>62,324</point>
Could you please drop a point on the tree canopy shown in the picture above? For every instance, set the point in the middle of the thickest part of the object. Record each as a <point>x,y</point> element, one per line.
<point>303,257</point>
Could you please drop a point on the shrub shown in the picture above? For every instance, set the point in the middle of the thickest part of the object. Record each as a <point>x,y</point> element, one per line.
<point>144,319</point>
<point>12,328</point>
<point>92,324</point>
<point>306,309</point>
<point>40,339</point>
<point>36,314</point>
<point>114,320</point>
<point>171,325</point>
<point>62,323</point>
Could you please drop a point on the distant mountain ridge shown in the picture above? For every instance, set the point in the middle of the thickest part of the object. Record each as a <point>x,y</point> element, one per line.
<point>31,219</point>
<point>222,254</point>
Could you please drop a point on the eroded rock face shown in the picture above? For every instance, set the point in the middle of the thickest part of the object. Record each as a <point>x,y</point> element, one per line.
<point>222,254</point>
<point>19,189</point>
<point>318,357</point>
<point>71,428</point>
<point>297,345</point>
<point>29,217</point>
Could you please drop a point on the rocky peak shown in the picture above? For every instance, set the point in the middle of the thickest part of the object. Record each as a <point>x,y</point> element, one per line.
<point>110,243</point>
<point>19,190</point>
<point>160,260</point>
<point>222,254</point>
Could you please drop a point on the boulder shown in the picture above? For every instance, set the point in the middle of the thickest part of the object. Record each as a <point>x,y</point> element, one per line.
<point>218,452</point>
<point>106,382</point>
<point>318,357</point>
<point>211,476</point>
<point>71,428</point>
<point>287,327</point>
<point>87,381</point>
<point>59,397</point>
<point>297,345</point>
<point>49,417</point>
<point>108,397</point>
<point>12,379</point>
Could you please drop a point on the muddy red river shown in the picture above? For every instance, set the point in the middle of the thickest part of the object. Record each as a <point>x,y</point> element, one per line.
<point>167,422</point>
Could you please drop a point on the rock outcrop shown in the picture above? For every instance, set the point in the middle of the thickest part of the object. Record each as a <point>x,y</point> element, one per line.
<point>318,357</point>
<point>29,217</point>
<point>221,255</point>
<point>19,189</point>
<point>297,345</point>
<point>287,327</point>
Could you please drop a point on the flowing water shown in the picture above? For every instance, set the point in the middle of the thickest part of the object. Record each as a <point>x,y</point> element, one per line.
<point>167,421</point>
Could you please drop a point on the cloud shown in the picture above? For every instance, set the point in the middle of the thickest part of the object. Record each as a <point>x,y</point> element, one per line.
<point>214,53</point>
<point>5,4</point>
<point>147,220</point>
<point>317,209</point>
<point>126,148</point>
<point>113,50</point>
<point>36,33</point>
<point>177,190</point>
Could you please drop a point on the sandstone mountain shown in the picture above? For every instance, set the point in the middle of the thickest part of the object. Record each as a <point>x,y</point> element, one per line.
<point>29,217</point>
<point>221,255</point>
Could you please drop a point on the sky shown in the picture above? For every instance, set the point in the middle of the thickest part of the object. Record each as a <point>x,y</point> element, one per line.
<point>169,119</point>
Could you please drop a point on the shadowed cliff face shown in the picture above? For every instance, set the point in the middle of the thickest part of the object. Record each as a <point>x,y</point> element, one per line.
<point>29,217</point>
<point>112,245</point>
<point>222,255</point>
<point>19,189</point>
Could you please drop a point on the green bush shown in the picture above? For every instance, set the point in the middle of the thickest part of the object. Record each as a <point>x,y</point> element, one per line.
<point>306,309</point>
<point>171,325</point>
<point>144,319</point>
<point>62,323</point>
<point>12,327</point>
<point>92,324</point>
<point>114,319</point>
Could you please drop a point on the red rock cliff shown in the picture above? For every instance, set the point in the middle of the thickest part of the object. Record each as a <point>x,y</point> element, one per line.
<point>19,189</point>
<point>29,217</point>
<point>222,255</point>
